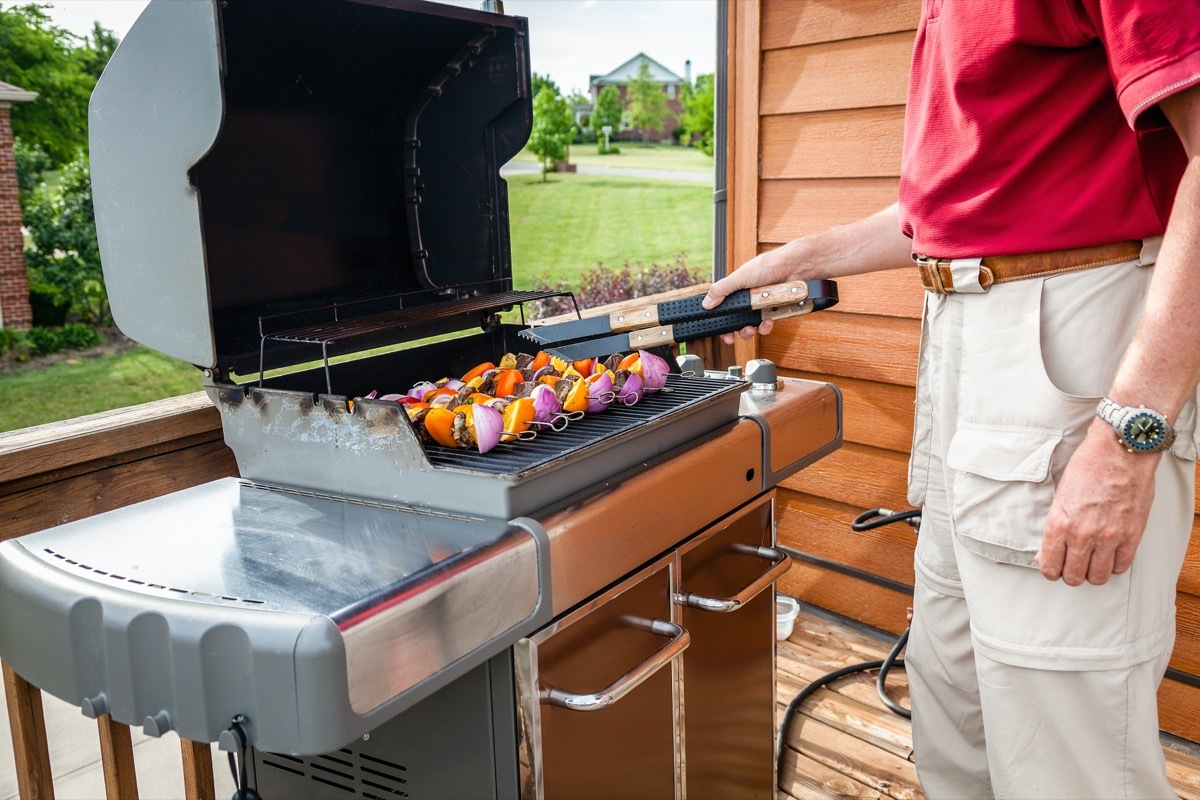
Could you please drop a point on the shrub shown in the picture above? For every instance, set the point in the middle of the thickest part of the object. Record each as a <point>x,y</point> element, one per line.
<point>600,286</point>
<point>40,341</point>
<point>77,336</point>
<point>49,306</point>
<point>612,149</point>
<point>9,339</point>
<point>64,254</point>
<point>43,341</point>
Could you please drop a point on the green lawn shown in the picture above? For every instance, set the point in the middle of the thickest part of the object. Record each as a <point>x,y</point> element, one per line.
<point>637,156</point>
<point>571,222</point>
<point>559,229</point>
<point>65,390</point>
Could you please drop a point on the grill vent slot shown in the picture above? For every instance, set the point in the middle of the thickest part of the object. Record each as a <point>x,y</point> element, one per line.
<point>353,773</point>
<point>135,582</point>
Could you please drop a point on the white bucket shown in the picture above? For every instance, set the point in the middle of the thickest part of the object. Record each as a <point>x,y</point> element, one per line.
<point>786,611</point>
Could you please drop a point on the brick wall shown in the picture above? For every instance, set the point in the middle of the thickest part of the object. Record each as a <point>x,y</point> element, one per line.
<point>14,285</point>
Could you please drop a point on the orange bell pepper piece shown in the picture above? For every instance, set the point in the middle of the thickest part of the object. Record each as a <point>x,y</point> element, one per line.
<point>432,393</point>
<point>506,382</point>
<point>439,424</point>
<point>478,371</point>
<point>517,416</point>
<point>577,398</point>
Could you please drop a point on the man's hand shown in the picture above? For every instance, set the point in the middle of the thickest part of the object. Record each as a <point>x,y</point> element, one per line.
<point>762,270</point>
<point>869,244</point>
<point>1099,511</point>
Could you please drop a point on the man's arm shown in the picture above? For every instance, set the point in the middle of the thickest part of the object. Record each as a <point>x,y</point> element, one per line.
<point>868,245</point>
<point>1103,500</point>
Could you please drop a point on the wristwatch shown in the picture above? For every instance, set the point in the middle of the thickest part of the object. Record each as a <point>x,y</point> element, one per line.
<point>1140,429</point>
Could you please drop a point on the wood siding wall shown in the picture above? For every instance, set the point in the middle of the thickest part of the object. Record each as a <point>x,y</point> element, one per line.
<point>817,92</point>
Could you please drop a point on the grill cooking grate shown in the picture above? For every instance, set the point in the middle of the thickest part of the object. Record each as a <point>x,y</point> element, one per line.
<point>515,458</point>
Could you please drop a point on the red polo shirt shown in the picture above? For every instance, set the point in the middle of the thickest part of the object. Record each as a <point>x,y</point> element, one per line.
<point>1032,124</point>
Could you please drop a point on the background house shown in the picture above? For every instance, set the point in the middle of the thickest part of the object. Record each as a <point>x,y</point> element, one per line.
<point>672,86</point>
<point>14,284</point>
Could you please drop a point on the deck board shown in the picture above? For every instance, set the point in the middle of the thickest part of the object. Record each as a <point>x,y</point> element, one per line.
<point>843,743</point>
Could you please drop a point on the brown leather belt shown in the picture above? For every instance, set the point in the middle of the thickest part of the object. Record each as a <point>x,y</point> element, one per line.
<point>937,278</point>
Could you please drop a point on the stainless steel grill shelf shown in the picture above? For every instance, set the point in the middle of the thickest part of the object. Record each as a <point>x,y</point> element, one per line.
<point>551,447</point>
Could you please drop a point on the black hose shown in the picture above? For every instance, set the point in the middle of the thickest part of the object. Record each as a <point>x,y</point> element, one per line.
<point>875,518</point>
<point>878,517</point>
<point>885,667</point>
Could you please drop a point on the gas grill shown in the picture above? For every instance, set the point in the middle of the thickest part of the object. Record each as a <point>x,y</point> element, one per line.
<point>303,199</point>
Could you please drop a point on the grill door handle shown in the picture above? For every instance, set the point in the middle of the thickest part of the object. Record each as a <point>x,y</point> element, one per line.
<point>779,563</point>
<point>679,640</point>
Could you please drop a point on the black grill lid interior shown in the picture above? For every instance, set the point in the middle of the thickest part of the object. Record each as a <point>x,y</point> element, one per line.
<point>358,157</point>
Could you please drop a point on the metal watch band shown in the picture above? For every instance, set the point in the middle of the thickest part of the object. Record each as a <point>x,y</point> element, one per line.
<point>1117,415</point>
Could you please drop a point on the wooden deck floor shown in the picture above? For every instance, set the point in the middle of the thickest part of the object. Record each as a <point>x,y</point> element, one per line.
<point>844,743</point>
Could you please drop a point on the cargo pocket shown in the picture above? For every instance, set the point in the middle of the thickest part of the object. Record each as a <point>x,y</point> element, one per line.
<point>1002,487</point>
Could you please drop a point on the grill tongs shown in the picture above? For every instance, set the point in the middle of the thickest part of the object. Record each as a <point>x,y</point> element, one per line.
<point>680,320</point>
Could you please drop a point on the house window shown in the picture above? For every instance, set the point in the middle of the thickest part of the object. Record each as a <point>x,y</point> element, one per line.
<point>626,119</point>
<point>671,91</point>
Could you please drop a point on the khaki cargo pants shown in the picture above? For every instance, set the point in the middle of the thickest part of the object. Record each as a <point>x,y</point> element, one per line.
<point>1023,687</point>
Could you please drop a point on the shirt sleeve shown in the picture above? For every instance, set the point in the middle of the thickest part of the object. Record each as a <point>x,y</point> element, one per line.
<point>1153,51</point>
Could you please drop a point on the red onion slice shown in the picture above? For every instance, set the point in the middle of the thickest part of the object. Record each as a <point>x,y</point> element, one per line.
<point>630,390</point>
<point>546,407</point>
<point>421,389</point>
<point>489,424</point>
<point>600,393</point>
<point>654,371</point>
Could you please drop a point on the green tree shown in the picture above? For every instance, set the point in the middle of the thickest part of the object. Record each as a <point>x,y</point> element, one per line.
<point>100,46</point>
<point>553,127</point>
<point>43,58</point>
<point>699,103</point>
<point>32,161</point>
<point>539,82</point>
<point>608,111</point>
<point>647,103</point>
<point>62,227</point>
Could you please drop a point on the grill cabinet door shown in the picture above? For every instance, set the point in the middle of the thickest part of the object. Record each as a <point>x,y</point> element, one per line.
<point>729,669</point>
<point>627,748</point>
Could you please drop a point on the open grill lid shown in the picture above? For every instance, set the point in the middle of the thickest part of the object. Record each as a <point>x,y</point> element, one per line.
<point>257,165</point>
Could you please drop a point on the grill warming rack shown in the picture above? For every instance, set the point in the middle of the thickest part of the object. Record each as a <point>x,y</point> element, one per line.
<point>345,323</point>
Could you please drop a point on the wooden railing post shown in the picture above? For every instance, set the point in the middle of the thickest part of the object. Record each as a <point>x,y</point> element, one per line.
<point>30,750</point>
<point>198,783</point>
<point>116,757</point>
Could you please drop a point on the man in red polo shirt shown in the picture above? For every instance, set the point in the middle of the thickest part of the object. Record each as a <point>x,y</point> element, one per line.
<point>1051,157</point>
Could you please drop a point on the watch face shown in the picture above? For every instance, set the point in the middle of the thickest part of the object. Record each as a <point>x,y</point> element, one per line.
<point>1143,431</point>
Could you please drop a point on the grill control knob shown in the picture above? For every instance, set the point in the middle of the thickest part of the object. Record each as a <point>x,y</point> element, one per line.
<point>762,375</point>
<point>735,371</point>
<point>690,364</point>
